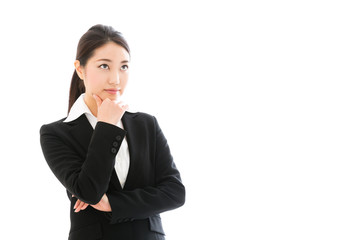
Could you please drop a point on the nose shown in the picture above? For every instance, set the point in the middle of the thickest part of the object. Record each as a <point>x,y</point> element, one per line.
<point>115,78</point>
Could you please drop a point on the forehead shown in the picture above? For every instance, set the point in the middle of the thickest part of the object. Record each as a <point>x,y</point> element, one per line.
<point>111,51</point>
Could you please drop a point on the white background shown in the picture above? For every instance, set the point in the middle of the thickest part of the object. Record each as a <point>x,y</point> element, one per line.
<point>259,101</point>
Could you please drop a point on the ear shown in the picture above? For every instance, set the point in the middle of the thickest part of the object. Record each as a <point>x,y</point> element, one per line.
<point>79,69</point>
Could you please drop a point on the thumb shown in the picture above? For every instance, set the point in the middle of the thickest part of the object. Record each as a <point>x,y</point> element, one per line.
<point>97,100</point>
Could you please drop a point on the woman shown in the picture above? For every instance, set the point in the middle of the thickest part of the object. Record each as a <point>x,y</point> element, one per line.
<point>116,166</point>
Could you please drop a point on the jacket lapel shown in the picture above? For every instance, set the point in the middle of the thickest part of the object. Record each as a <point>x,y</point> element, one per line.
<point>115,182</point>
<point>129,127</point>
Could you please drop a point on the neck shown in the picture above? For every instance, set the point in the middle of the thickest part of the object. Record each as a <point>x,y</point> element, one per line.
<point>91,103</point>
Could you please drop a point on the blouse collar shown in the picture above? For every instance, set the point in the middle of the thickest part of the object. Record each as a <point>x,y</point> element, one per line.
<point>79,108</point>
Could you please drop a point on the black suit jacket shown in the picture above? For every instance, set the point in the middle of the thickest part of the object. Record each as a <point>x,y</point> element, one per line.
<point>83,159</point>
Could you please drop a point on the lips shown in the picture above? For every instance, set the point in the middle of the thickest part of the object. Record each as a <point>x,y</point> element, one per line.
<point>112,90</point>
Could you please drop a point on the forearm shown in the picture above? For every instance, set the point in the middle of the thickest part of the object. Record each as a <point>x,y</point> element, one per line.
<point>85,177</point>
<point>142,203</point>
<point>99,164</point>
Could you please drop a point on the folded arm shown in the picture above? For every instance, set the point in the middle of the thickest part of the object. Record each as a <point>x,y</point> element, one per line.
<point>87,178</point>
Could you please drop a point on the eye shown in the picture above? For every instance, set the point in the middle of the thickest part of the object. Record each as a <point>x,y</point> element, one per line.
<point>124,67</point>
<point>104,66</point>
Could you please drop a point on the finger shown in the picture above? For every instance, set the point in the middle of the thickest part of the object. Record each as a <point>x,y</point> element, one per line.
<point>119,103</point>
<point>85,206</point>
<point>81,204</point>
<point>77,203</point>
<point>125,107</point>
<point>97,100</point>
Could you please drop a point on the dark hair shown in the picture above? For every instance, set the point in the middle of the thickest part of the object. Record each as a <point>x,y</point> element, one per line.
<point>94,38</point>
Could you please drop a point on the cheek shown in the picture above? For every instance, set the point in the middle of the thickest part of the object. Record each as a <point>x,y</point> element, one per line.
<point>124,81</point>
<point>94,80</point>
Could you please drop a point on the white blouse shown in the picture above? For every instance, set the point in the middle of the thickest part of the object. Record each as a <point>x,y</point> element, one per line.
<point>122,162</point>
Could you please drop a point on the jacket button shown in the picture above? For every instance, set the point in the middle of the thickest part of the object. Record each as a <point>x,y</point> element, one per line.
<point>113,150</point>
<point>118,137</point>
<point>115,144</point>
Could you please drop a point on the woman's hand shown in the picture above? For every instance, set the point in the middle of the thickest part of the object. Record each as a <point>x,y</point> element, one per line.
<point>80,205</point>
<point>103,205</point>
<point>110,111</point>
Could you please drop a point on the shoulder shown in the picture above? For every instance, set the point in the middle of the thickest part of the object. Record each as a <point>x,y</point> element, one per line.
<point>50,127</point>
<point>141,119</point>
<point>140,116</point>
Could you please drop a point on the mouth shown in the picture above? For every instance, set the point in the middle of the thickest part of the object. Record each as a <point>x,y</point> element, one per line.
<point>112,91</point>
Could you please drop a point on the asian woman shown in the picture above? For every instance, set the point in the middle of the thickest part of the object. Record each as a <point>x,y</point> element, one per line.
<point>116,166</point>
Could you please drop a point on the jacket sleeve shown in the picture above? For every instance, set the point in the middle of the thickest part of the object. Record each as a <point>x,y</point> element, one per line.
<point>168,192</point>
<point>85,177</point>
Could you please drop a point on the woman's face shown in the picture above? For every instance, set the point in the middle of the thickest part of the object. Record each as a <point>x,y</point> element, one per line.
<point>106,72</point>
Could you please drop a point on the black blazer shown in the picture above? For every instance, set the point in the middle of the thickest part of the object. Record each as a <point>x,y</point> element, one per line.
<point>83,158</point>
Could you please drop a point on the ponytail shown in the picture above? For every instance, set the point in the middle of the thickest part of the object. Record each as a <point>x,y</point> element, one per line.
<point>77,87</point>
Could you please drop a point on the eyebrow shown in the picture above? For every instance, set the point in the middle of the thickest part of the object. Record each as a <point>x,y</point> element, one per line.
<point>108,60</point>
